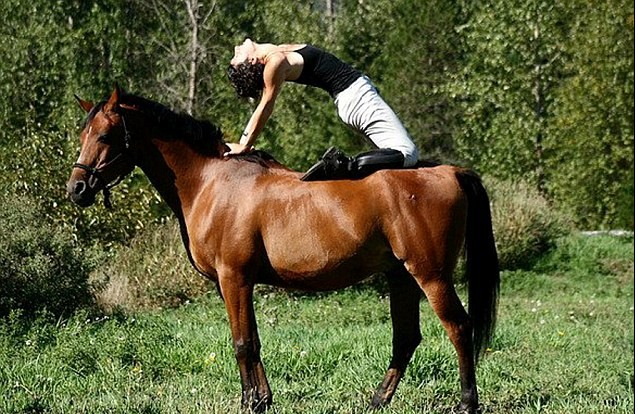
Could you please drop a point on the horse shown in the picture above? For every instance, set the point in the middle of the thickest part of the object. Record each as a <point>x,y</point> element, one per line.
<point>248,220</point>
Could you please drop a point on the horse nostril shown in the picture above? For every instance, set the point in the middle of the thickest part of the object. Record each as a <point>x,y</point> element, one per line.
<point>79,188</point>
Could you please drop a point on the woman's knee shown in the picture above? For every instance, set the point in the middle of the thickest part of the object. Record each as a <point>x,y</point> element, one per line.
<point>411,156</point>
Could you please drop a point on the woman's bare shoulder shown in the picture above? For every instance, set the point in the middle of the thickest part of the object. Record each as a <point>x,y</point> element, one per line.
<point>290,47</point>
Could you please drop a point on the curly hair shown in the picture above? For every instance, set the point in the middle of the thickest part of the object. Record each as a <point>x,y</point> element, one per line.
<point>247,79</point>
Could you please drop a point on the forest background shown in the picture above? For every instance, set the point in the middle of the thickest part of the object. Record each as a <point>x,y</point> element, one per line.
<point>538,92</point>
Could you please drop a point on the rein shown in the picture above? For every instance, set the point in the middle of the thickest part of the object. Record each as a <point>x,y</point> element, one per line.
<point>98,172</point>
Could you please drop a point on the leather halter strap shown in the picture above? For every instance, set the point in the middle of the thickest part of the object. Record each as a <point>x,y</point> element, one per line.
<point>98,172</point>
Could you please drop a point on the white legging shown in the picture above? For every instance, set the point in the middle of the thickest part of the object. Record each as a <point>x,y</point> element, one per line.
<point>361,107</point>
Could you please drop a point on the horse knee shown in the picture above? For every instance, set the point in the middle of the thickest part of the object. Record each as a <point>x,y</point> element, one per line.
<point>243,350</point>
<point>408,342</point>
<point>403,348</point>
<point>416,340</point>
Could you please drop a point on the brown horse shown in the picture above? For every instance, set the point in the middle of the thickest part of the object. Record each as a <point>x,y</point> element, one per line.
<point>247,220</point>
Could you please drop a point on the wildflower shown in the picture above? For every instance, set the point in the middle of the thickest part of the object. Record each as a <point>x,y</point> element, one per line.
<point>137,368</point>
<point>211,358</point>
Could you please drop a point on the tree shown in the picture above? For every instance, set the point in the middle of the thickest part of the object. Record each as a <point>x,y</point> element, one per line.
<point>50,51</point>
<point>514,57</point>
<point>591,168</point>
<point>416,61</point>
<point>184,39</point>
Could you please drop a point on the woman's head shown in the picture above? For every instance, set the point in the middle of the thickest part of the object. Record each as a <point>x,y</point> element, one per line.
<point>246,70</point>
<point>247,79</point>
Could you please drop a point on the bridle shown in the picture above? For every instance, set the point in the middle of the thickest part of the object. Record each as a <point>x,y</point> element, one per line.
<point>97,173</point>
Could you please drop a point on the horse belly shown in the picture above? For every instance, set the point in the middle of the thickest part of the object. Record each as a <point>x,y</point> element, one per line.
<point>310,261</point>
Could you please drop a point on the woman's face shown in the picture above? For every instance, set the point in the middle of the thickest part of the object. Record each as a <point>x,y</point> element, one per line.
<point>244,53</point>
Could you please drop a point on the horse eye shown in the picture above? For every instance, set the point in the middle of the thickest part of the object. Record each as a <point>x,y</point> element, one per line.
<point>103,138</point>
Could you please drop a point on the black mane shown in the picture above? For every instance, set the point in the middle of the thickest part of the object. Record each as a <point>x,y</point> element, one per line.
<point>203,136</point>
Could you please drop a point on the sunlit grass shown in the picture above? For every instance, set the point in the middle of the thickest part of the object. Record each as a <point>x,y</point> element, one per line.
<point>564,344</point>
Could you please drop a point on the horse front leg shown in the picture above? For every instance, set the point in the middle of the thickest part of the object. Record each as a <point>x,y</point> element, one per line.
<point>238,298</point>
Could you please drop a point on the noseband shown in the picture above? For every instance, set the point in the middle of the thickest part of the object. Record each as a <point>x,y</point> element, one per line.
<point>98,172</point>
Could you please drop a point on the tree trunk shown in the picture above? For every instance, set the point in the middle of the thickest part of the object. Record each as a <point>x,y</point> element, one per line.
<point>539,112</point>
<point>193,13</point>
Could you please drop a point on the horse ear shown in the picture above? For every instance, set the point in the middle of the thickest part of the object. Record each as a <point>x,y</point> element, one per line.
<point>114,100</point>
<point>86,105</point>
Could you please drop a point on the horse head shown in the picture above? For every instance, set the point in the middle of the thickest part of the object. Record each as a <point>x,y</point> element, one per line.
<point>105,155</point>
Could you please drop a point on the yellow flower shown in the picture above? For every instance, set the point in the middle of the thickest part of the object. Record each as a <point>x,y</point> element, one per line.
<point>137,368</point>
<point>211,358</point>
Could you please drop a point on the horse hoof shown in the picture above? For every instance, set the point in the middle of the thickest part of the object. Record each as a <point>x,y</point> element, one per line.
<point>256,404</point>
<point>378,402</point>
<point>465,408</point>
<point>255,408</point>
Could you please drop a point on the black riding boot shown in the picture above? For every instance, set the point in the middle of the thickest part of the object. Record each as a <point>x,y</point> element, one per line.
<point>335,165</point>
<point>378,159</point>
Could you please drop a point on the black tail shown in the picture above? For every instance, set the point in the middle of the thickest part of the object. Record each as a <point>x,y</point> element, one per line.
<point>482,270</point>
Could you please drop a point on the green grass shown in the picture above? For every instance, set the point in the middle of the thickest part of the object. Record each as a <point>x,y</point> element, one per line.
<point>564,344</point>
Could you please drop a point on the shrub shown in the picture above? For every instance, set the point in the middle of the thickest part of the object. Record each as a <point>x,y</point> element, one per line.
<point>42,267</point>
<point>153,272</point>
<point>525,224</point>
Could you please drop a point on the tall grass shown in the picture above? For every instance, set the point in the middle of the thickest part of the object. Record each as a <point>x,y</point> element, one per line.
<point>152,272</point>
<point>526,225</point>
<point>564,344</point>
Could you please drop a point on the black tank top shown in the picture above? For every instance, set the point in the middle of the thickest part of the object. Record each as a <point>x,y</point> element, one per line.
<point>325,71</point>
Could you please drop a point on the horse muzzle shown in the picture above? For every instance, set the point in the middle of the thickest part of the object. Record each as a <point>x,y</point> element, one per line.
<point>82,192</point>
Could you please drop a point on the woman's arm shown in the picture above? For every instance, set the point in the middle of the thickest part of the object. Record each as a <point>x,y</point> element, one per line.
<point>275,73</point>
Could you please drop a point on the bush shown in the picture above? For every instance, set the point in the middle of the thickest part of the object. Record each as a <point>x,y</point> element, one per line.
<point>153,272</point>
<point>525,225</point>
<point>42,267</point>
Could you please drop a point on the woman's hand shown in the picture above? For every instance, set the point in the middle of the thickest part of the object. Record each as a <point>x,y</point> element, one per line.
<point>237,149</point>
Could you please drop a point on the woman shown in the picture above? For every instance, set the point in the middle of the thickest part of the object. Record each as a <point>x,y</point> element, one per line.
<point>262,68</point>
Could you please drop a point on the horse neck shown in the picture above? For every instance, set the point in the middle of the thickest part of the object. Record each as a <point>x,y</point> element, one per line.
<point>176,171</point>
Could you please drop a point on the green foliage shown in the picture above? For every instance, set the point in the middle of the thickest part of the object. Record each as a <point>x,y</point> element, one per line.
<point>513,61</point>
<point>547,94</point>
<point>413,71</point>
<point>153,272</point>
<point>42,267</point>
<point>50,51</point>
<point>526,225</point>
<point>564,344</point>
<point>592,130</point>
<point>606,256</point>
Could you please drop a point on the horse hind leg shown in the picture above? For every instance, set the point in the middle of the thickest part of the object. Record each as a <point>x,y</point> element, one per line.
<point>448,307</point>
<point>406,334</point>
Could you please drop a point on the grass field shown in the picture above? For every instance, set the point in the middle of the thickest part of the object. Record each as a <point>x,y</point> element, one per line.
<point>564,344</point>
